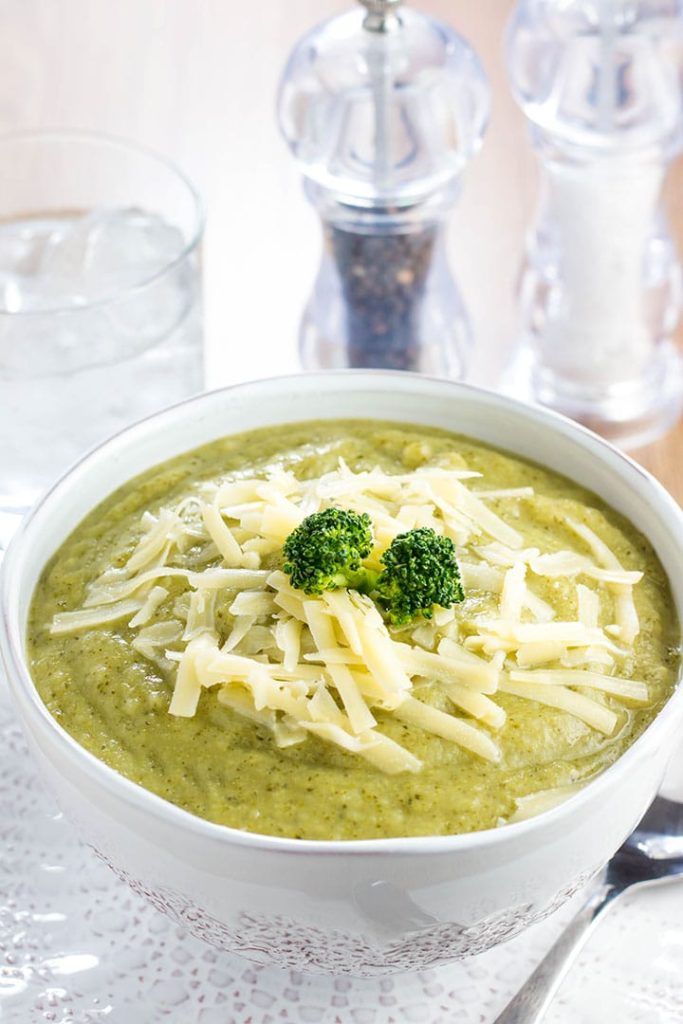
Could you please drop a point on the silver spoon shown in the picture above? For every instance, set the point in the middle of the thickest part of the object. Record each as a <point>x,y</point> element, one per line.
<point>653,853</point>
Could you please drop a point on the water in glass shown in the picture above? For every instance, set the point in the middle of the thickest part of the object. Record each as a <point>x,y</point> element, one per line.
<point>99,326</point>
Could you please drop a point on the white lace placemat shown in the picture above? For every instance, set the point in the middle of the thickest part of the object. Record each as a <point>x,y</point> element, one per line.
<point>77,947</point>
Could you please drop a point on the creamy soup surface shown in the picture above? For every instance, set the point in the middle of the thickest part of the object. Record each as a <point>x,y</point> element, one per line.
<point>539,624</point>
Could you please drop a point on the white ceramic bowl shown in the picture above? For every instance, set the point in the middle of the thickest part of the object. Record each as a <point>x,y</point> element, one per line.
<point>361,907</point>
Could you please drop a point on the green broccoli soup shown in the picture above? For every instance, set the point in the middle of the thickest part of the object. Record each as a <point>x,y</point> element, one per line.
<point>352,629</point>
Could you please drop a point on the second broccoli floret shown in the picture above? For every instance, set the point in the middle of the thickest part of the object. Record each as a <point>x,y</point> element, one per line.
<point>420,570</point>
<point>325,551</point>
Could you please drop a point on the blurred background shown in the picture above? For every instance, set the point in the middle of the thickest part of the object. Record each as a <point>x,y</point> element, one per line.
<point>197,82</point>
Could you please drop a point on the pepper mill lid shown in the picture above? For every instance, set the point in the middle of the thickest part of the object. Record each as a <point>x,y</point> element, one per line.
<point>382,105</point>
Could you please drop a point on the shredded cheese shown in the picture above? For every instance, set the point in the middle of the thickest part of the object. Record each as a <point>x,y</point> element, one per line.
<point>154,599</point>
<point>589,711</point>
<point>625,609</point>
<point>327,666</point>
<point>93,618</point>
<point>288,639</point>
<point>630,689</point>
<point>535,803</point>
<point>447,726</point>
<point>222,536</point>
<point>513,593</point>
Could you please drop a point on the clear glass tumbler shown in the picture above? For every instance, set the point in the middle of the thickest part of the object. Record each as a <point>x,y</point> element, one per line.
<point>100,312</point>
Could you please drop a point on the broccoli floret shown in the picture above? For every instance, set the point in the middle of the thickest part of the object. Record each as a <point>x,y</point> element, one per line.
<point>420,570</point>
<point>324,552</point>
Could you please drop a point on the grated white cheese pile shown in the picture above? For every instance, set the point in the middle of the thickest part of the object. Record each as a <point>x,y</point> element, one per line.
<point>302,665</point>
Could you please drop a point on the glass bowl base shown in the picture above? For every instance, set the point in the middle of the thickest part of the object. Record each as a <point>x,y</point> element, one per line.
<point>629,415</point>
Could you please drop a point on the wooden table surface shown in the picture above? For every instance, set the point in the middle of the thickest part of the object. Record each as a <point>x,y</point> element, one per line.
<point>663,458</point>
<point>197,80</point>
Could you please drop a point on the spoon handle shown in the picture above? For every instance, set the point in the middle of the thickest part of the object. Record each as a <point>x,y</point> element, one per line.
<point>533,999</point>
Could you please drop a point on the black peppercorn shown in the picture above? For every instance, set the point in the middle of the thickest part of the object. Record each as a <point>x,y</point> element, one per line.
<point>383,277</point>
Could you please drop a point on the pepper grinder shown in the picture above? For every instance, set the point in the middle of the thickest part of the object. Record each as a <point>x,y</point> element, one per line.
<point>382,107</point>
<point>599,82</point>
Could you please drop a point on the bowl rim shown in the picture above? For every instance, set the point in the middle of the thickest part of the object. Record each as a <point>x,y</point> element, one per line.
<point>141,799</point>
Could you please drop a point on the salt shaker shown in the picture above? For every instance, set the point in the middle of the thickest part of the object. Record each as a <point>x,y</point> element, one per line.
<point>382,107</point>
<point>599,81</point>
